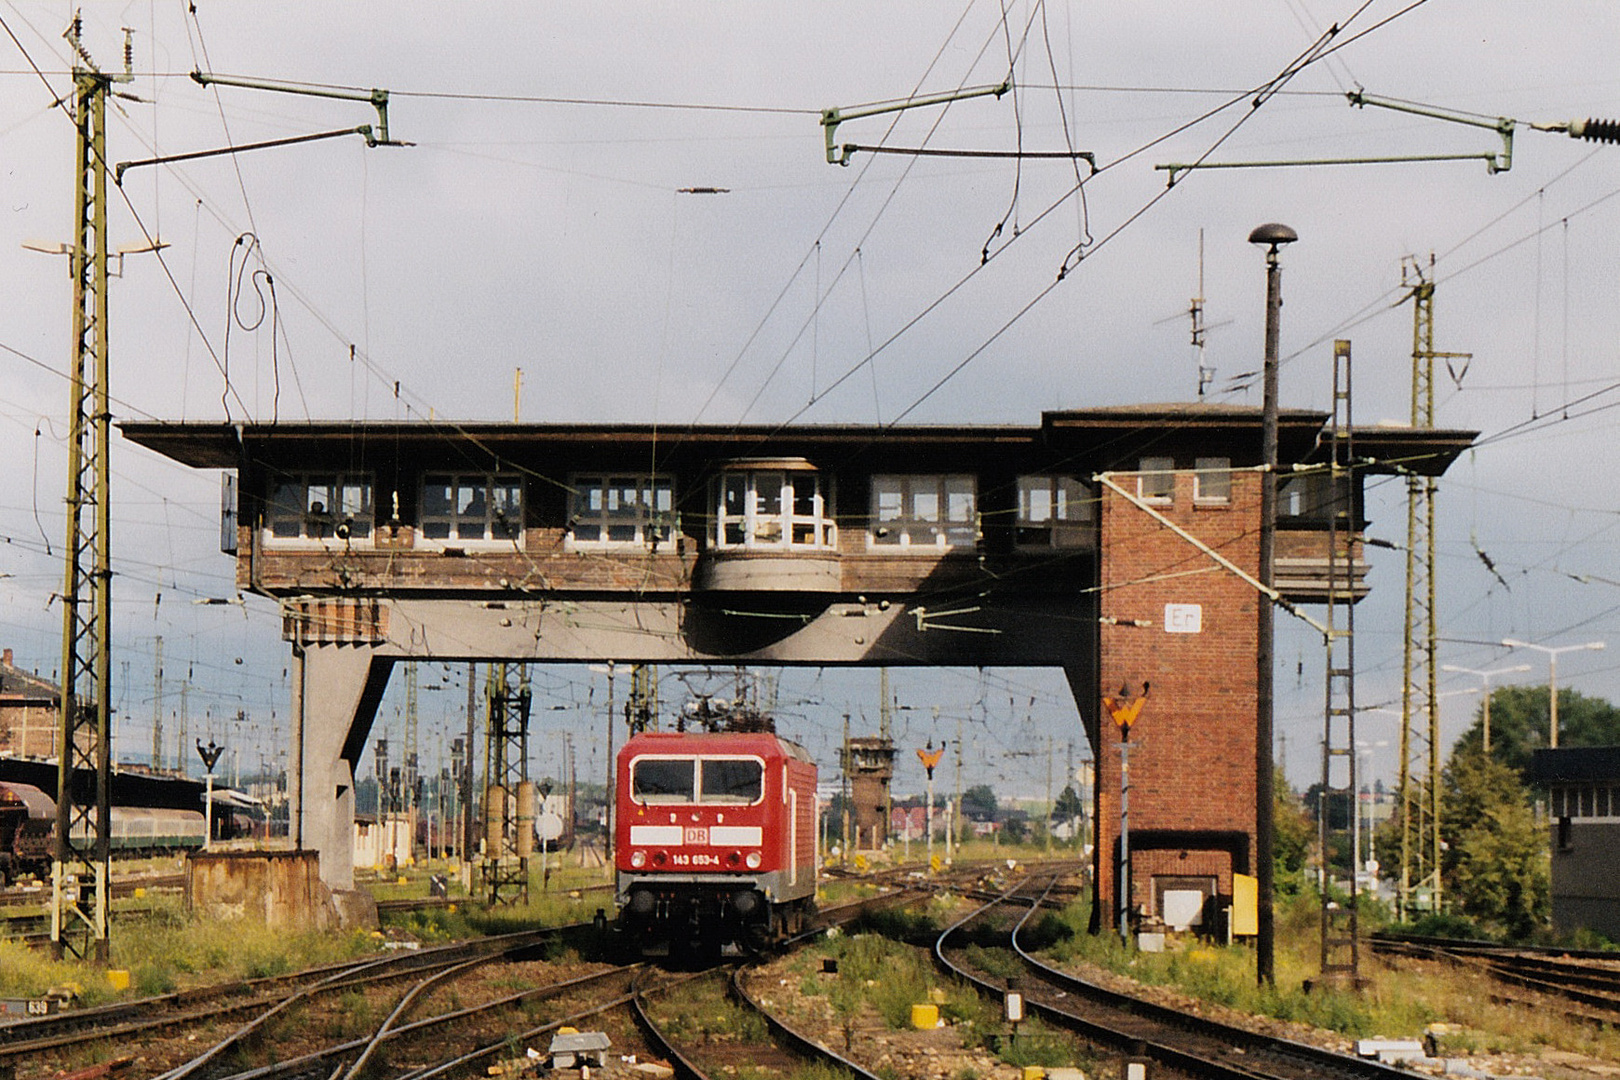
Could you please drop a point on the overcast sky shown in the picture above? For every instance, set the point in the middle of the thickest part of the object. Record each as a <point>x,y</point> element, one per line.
<point>539,222</point>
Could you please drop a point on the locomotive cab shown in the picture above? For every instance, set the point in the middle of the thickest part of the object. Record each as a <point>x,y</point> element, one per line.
<point>714,841</point>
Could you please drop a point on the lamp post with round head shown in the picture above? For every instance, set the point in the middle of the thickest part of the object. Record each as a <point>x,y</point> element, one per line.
<point>1273,237</point>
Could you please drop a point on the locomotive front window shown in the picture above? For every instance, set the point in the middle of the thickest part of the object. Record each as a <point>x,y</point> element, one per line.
<point>663,780</point>
<point>733,781</point>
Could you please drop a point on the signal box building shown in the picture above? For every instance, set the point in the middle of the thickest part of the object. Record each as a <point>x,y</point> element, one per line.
<point>1583,800</point>
<point>1115,544</point>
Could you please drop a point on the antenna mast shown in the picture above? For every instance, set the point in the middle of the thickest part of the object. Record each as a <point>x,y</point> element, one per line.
<point>1200,330</point>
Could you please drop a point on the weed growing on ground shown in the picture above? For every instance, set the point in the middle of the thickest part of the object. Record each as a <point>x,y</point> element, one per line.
<point>150,980</point>
<point>1035,1044</point>
<point>165,948</point>
<point>702,1013</point>
<point>1400,1001</point>
<point>817,1071</point>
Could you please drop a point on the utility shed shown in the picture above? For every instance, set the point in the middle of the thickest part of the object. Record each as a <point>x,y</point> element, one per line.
<point>1583,799</point>
<point>1117,544</point>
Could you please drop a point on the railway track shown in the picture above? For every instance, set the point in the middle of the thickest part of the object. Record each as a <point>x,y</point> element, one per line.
<point>414,1043</point>
<point>310,1024</point>
<point>122,889</point>
<point>449,1042</point>
<point>1588,980</point>
<point>172,1024</point>
<point>783,1050</point>
<point>1182,1043</point>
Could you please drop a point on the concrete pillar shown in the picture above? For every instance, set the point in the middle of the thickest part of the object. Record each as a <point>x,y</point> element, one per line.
<point>336,689</point>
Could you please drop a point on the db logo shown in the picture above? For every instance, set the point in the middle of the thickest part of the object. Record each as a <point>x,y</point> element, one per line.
<point>698,835</point>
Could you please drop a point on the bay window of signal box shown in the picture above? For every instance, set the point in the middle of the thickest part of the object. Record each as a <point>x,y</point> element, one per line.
<point>773,508</point>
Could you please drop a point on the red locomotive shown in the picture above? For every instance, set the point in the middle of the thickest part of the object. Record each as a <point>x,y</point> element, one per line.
<point>714,840</point>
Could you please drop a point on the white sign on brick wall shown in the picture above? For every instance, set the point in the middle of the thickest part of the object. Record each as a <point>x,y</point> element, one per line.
<point>1183,618</point>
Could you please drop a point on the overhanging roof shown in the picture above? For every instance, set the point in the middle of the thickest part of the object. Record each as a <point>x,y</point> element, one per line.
<point>1395,449</point>
<point>1110,430</point>
<point>220,446</point>
<point>1575,765</point>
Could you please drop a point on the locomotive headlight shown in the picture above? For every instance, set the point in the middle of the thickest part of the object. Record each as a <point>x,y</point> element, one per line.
<point>753,860</point>
<point>638,859</point>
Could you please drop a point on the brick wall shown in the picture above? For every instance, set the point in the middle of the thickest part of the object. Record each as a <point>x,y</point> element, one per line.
<point>1193,746</point>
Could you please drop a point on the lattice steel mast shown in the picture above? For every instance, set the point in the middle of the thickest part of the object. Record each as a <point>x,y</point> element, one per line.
<point>1420,716</point>
<point>81,875</point>
<point>1340,835</point>
<point>509,803</point>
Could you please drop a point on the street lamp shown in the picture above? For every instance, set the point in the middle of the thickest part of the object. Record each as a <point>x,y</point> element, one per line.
<point>1552,677</point>
<point>1364,812</point>
<point>1486,689</point>
<point>1271,236</point>
<point>545,841</point>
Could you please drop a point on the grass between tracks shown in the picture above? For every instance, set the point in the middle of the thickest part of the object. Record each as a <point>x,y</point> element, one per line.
<point>1401,1001</point>
<point>166,948</point>
<point>884,967</point>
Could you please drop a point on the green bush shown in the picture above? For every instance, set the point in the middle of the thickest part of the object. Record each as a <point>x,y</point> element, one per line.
<point>1443,924</point>
<point>1035,1044</point>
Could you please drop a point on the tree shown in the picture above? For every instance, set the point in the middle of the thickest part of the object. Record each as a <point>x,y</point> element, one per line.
<point>1069,809</point>
<point>979,803</point>
<point>1495,861</point>
<point>1292,832</point>
<point>1521,723</point>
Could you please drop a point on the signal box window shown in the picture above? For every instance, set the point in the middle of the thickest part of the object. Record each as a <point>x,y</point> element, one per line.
<point>625,510</point>
<point>320,507</point>
<point>1312,499</point>
<point>773,508</point>
<point>475,506</point>
<point>1053,511</point>
<point>1212,480</point>
<point>1156,479</point>
<point>911,512</point>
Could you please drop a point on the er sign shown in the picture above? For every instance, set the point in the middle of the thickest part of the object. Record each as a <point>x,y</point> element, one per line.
<point>1183,618</point>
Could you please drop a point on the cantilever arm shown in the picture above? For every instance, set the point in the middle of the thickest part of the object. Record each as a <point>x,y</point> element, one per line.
<point>1502,125</point>
<point>378,99</point>
<point>831,118</point>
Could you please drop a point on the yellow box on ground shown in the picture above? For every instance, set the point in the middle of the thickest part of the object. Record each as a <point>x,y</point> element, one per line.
<point>925,1017</point>
<point>118,978</point>
<point>1245,905</point>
